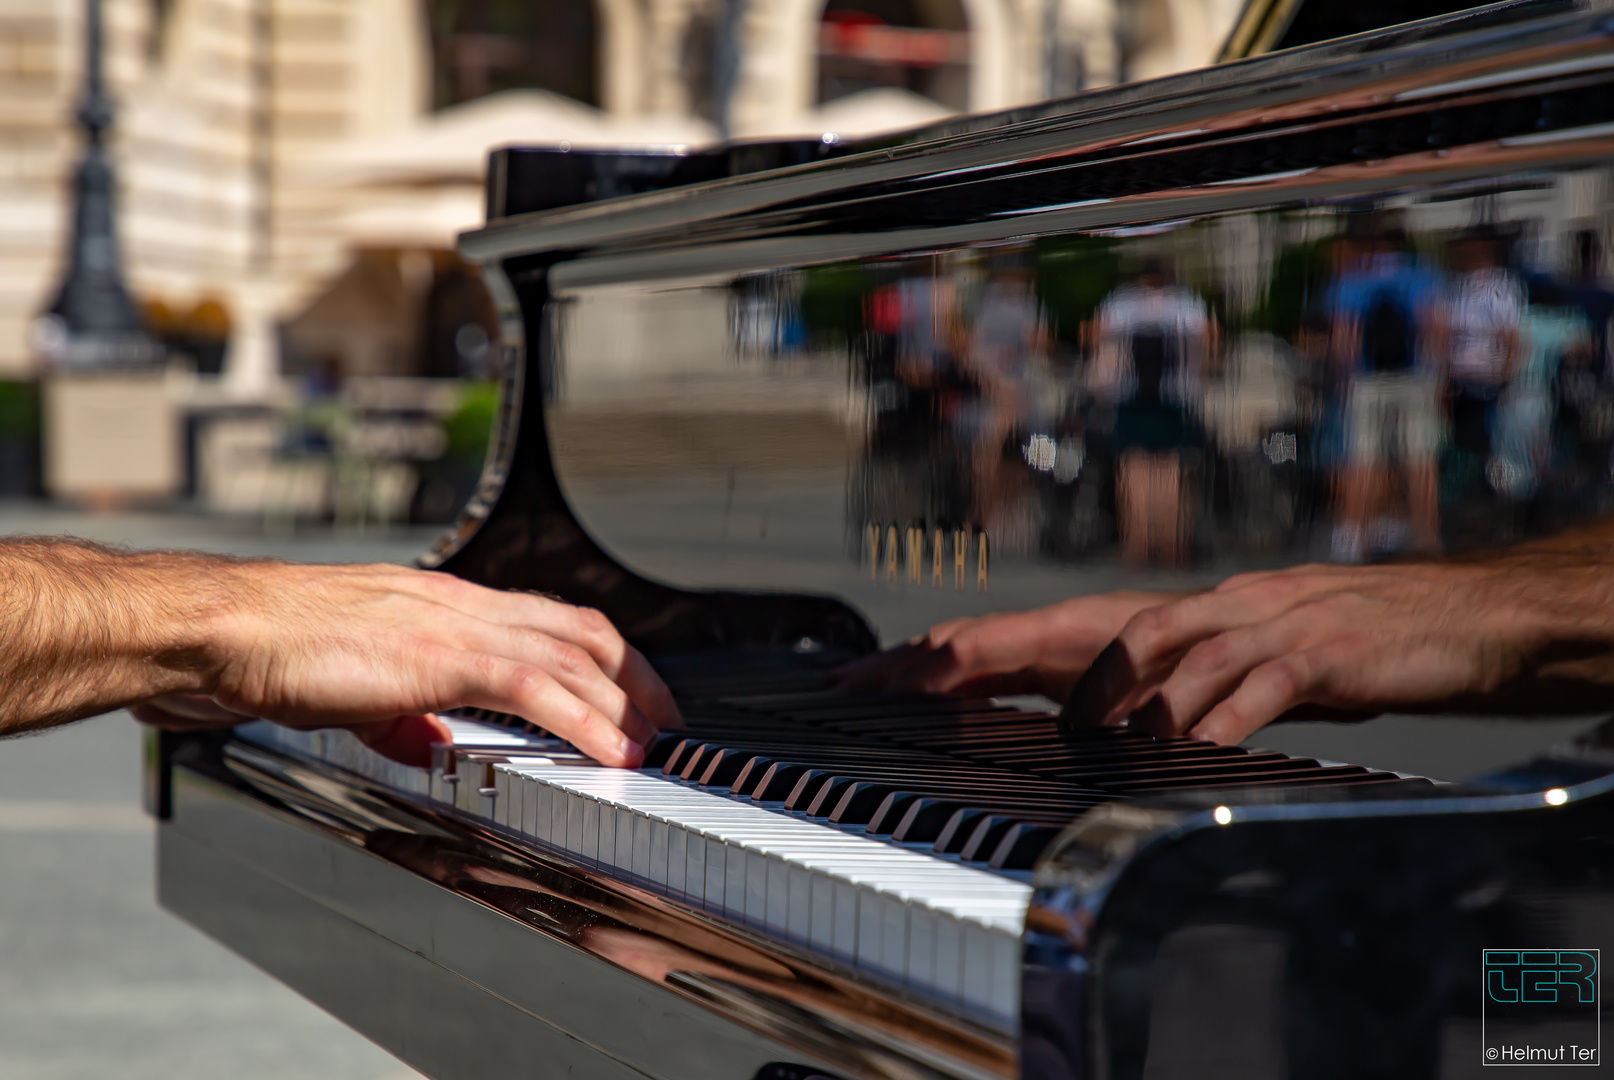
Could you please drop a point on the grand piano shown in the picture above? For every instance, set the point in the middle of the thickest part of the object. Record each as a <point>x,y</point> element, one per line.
<point>772,405</point>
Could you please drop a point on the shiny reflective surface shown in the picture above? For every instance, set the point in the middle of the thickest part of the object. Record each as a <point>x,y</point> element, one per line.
<point>1340,303</point>
<point>1303,935</point>
<point>1349,316</point>
<point>579,951</point>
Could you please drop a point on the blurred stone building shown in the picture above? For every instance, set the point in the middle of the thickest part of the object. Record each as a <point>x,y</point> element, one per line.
<point>278,156</point>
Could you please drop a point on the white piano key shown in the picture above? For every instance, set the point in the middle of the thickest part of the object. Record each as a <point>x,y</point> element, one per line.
<point>591,828</point>
<point>575,801</point>
<point>677,859</point>
<point>622,856</point>
<point>657,872</point>
<point>712,898</point>
<point>902,914</point>
<point>557,817</point>
<point>641,844</point>
<point>695,868</point>
<point>776,916</point>
<point>501,801</point>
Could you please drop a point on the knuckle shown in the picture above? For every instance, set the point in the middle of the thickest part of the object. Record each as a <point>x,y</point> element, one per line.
<point>527,683</point>
<point>1208,657</point>
<point>571,660</point>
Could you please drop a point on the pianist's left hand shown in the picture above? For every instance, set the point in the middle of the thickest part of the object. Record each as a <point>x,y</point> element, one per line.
<point>195,640</point>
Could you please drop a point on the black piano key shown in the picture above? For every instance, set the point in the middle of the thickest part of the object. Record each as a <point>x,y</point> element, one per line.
<point>859,802</point>
<point>923,820</point>
<point>984,837</point>
<point>661,749</point>
<point>693,765</point>
<point>806,789</point>
<point>750,775</point>
<point>1021,844</point>
<point>722,767</point>
<point>957,830</point>
<point>777,781</point>
<point>678,757</point>
<point>829,793</point>
<point>889,813</point>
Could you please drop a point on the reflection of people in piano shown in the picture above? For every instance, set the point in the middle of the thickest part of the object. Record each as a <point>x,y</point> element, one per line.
<point>1382,302</point>
<point>1006,342</point>
<point>1553,333</point>
<point>196,641</point>
<point>1480,321</point>
<point>1150,339</point>
<point>1525,629</point>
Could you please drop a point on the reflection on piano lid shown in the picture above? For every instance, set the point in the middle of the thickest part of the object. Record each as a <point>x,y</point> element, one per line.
<point>767,407</point>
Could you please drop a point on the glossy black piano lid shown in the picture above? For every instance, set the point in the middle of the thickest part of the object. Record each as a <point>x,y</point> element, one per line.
<point>901,387</point>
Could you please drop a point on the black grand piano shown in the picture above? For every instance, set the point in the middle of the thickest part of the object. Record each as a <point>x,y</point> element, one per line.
<point>772,405</point>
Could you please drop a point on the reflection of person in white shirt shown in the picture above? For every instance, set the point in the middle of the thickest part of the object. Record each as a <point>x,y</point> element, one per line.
<point>1151,337</point>
<point>1480,317</point>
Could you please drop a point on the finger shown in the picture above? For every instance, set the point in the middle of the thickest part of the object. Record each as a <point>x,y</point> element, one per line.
<point>1130,671</point>
<point>1266,693</point>
<point>592,631</point>
<point>1111,680</point>
<point>405,739</point>
<point>1214,668</point>
<point>882,673</point>
<point>581,626</point>
<point>573,666</point>
<point>528,691</point>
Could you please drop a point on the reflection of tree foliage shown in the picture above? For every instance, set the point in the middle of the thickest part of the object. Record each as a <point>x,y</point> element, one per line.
<point>1075,274</point>
<point>832,303</point>
<point>1299,276</point>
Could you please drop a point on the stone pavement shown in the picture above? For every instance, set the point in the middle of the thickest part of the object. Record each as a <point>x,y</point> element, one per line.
<point>97,981</point>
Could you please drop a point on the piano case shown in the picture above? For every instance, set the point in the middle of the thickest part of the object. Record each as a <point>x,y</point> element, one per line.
<point>770,405</point>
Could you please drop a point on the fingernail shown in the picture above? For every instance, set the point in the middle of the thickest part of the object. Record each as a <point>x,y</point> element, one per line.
<point>632,753</point>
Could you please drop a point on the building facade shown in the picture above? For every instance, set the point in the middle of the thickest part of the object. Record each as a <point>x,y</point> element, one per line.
<point>226,106</point>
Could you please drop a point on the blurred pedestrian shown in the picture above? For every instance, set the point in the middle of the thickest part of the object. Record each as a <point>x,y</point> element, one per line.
<point>1151,339</point>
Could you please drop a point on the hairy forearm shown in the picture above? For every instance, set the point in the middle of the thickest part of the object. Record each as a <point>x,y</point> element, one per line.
<point>87,629</point>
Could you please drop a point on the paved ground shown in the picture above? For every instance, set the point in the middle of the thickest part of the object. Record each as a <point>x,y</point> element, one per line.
<point>97,982</point>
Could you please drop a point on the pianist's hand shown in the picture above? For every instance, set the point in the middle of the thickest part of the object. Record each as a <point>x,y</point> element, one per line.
<point>376,645</point>
<point>1221,664</point>
<point>193,640</point>
<point>1027,652</point>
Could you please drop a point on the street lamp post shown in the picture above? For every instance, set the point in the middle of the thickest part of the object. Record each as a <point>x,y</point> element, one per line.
<point>93,322</point>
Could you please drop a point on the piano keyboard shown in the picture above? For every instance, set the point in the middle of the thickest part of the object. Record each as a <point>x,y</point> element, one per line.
<point>894,837</point>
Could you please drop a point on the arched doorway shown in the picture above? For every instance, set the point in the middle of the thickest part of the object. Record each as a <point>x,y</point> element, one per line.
<point>918,45</point>
<point>480,47</point>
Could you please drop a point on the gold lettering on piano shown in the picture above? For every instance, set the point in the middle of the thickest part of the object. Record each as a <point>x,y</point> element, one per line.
<point>961,546</point>
<point>886,546</point>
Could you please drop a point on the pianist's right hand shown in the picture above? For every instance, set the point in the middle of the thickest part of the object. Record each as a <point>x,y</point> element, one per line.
<point>189,640</point>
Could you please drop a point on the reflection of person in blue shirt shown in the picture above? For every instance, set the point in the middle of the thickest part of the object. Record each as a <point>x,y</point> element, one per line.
<point>1380,306</point>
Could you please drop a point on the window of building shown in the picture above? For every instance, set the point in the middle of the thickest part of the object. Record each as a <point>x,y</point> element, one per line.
<point>480,47</point>
<point>917,45</point>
